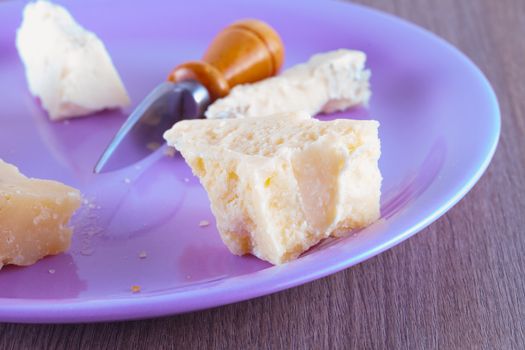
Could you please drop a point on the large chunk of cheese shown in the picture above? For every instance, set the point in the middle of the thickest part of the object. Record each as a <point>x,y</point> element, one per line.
<point>66,66</point>
<point>328,82</point>
<point>278,185</point>
<point>33,217</point>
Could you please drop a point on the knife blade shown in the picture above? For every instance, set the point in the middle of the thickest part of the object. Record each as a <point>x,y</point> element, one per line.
<point>163,107</point>
<point>245,51</point>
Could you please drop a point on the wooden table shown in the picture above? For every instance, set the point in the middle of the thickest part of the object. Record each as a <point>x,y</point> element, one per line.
<point>459,284</point>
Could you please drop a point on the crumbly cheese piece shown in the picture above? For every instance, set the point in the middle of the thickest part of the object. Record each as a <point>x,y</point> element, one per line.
<point>67,67</point>
<point>328,82</point>
<point>278,185</point>
<point>34,215</point>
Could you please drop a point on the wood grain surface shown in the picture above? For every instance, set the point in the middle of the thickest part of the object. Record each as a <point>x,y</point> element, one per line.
<point>459,284</point>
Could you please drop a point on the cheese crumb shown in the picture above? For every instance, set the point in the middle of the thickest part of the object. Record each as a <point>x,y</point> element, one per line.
<point>143,255</point>
<point>204,223</point>
<point>153,146</point>
<point>87,251</point>
<point>51,271</point>
<point>170,152</point>
<point>135,289</point>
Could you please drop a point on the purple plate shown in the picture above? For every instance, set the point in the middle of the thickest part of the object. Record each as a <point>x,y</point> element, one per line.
<point>439,119</point>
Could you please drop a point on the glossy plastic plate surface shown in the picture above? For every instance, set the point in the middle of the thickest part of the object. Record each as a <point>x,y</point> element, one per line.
<point>439,128</point>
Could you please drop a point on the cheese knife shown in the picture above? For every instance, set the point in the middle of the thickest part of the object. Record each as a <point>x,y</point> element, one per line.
<point>243,52</point>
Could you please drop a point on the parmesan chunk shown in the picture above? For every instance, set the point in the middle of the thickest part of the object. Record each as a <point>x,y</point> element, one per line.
<point>280,184</point>
<point>67,67</point>
<point>34,217</point>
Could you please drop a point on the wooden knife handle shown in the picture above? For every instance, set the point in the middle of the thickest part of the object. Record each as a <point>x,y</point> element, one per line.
<point>244,52</point>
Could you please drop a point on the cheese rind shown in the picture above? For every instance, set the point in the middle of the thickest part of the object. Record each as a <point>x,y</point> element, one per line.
<point>67,67</point>
<point>278,185</point>
<point>328,82</point>
<point>34,217</point>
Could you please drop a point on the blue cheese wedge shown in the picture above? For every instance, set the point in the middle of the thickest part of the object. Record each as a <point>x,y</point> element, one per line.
<point>280,184</point>
<point>67,67</point>
<point>328,82</point>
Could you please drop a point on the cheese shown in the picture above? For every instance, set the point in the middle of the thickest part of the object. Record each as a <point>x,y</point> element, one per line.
<point>33,217</point>
<point>328,82</point>
<point>67,67</point>
<point>279,184</point>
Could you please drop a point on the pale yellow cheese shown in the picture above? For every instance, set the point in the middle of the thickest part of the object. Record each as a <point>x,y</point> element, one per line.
<point>67,66</point>
<point>328,82</point>
<point>279,184</point>
<point>34,216</point>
